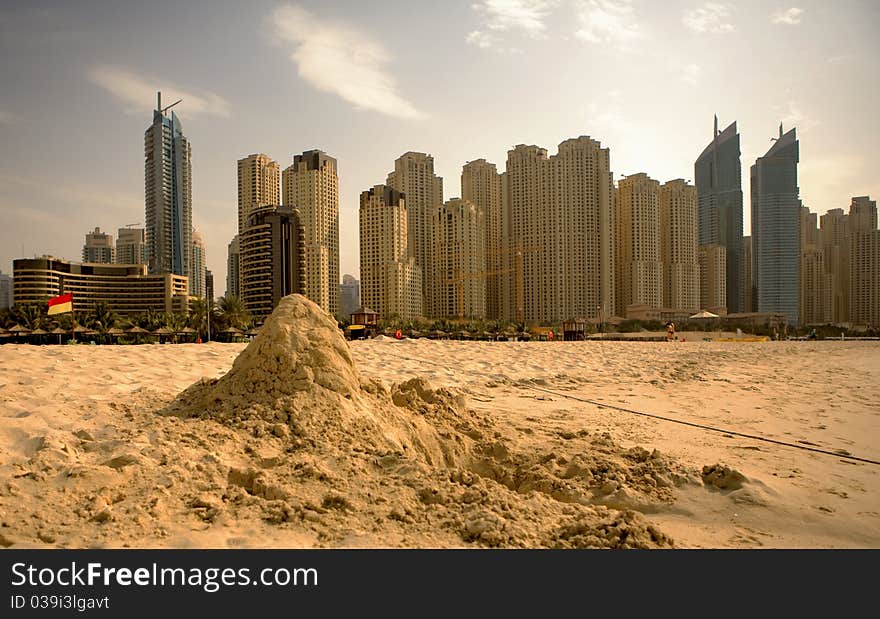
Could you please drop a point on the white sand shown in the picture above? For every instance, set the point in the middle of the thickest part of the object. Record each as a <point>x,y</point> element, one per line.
<point>86,458</point>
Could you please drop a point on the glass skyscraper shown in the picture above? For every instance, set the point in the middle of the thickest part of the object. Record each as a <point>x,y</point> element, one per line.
<point>168,194</point>
<point>718,178</point>
<point>776,212</point>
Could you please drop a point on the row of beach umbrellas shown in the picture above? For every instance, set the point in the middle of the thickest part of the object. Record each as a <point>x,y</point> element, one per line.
<point>20,331</point>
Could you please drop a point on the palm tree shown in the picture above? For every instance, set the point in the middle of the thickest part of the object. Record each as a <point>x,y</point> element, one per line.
<point>198,316</point>
<point>233,313</point>
<point>101,318</point>
<point>32,316</point>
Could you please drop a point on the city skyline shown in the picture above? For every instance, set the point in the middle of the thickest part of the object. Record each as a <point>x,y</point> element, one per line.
<point>85,80</point>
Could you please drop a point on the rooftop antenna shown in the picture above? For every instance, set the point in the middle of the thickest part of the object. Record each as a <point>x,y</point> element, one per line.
<point>780,134</point>
<point>159,107</point>
<point>716,125</point>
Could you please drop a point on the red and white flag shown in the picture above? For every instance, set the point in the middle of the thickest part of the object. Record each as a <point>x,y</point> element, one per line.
<point>61,305</point>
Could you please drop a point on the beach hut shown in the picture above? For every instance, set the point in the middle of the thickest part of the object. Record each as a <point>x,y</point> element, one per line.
<point>138,332</point>
<point>355,332</point>
<point>19,332</point>
<point>59,332</point>
<point>187,334</point>
<point>232,334</point>
<point>704,315</point>
<point>164,333</point>
<point>575,329</point>
<point>114,333</point>
<point>366,318</point>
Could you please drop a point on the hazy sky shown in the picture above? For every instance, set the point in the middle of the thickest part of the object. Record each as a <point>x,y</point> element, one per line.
<point>368,81</point>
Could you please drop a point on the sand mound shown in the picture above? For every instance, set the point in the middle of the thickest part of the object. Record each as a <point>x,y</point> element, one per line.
<point>296,381</point>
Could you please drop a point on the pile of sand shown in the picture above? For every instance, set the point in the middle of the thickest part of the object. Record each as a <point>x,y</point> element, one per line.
<point>297,382</point>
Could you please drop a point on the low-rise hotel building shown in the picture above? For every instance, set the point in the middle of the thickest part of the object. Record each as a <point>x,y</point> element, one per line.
<point>126,288</point>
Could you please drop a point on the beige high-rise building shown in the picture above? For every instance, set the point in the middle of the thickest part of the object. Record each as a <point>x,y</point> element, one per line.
<point>864,263</point>
<point>863,214</point>
<point>558,233</point>
<point>312,186</point>
<point>259,184</point>
<point>748,305</point>
<point>816,290</point>
<point>834,237</point>
<point>414,176</point>
<point>678,245</point>
<point>98,248</point>
<point>713,278</point>
<point>460,260</point>
<point>198,266</point>
<point>637,218</point>
<point>131,246</point>
<point>391,281</point>
<point>481,185</point>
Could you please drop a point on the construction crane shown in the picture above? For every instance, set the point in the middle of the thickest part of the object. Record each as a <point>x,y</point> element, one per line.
<point>517,269</point>
<point>130,226</point>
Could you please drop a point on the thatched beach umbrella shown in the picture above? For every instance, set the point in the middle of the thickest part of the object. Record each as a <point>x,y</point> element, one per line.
<point>136,330</point>
<point>19,330</point>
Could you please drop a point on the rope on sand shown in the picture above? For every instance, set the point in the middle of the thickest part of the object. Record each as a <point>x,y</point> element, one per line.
<point>700,426</point>
<point>754,437</point>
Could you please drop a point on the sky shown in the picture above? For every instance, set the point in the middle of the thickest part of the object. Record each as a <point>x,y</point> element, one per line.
<point>368,81</point>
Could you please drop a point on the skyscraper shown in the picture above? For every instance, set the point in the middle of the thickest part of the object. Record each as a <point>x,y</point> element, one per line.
<point>6,290</point>
<point>131,246</point>
<point>168,194</point>
<point>864,263</point>
<point>98,248</point>
<point>718,178</point>
<point>713,277</point>
<point>391,281</point>
<point>460,260</point>
<point>816,290</point>
<point>776,229</point>
<point>834,237</point>
<point>259,184</point>
<point>557,232</point>
<point>414,176</point>
<point>209,285</point>
<point>272,258</point>
<point>233,268</point>
<point>748,304</point>
<point>197,266</point>
<point>678,245</point>
<point>639,274</point>
<point>311,185</point>
<point>481,185</point>
<point>350,296</point>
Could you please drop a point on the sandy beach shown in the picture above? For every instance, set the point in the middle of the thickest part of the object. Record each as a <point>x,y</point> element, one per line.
<point>495,447</point>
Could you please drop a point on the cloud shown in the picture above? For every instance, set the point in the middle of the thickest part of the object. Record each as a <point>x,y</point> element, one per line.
<point>340,60</point>
<point>526,17</point>
<point>790,17</point>
<point>711,17</point>
<point>689,73</point>
<point>140,92</point>
<point>610,21</point>
<point>795,117</point>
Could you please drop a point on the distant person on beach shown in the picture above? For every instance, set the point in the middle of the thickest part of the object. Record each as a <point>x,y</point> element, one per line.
<point>670,331</point>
